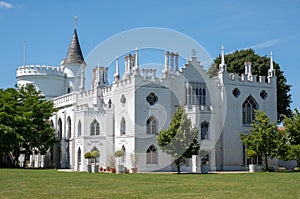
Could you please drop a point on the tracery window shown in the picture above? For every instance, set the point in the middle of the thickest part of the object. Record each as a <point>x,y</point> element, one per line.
<point>151,98</point>
<point>151,155</point>
<point>196,93</point>
<point>95,128</point>
<point>249,106</point>
<point>151,125</point>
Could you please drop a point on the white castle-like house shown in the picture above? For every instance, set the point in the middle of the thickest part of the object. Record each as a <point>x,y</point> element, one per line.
<point>128,113</point>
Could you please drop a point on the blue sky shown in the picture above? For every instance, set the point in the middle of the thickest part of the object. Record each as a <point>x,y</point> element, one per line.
<point>47,27</point>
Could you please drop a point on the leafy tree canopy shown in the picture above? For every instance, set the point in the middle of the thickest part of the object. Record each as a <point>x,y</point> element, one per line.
<point>263,137</point>
<point>180,140</point>
<point>292,137</point>
<point>260,65</point>
<point>24,119</point>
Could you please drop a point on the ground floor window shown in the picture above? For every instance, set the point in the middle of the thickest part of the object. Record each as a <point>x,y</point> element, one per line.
<point>151,155</point>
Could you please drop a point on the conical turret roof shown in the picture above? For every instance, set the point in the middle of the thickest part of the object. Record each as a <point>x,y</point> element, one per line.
<point>74,55</point>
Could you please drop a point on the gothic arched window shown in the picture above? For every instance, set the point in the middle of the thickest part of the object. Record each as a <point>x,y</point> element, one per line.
<point>151,155</point>
<point>95,128</point>
<point>69,131</point>
<point>204,130</point>
<point>59,130</point>
<point>123,126</point>
<point>152,125</point>
<point>249,106</point>
<point>79,129</point>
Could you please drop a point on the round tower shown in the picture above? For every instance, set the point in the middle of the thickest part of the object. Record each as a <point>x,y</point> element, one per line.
<point>50,80</point>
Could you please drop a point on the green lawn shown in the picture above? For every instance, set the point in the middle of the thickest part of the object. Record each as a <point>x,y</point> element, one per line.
<point>29,183</point>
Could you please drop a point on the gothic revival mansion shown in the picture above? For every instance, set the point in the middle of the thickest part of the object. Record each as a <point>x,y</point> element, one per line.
<point>128,113</point>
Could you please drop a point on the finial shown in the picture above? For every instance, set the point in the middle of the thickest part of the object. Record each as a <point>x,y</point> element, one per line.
<point>136,64</point>
<point>271,61</point>
<point>75,21</point>
<point>223,58</point>
<point>194,52</point>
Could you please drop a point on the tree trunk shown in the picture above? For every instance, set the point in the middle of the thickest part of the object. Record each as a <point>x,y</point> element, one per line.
<point>178,167</point>
<point>266,162</point>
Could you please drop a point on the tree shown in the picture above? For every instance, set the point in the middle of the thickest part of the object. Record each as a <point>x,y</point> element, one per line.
<point>180,140</point>
<point>292,136</point>
<point>36,132</point>
<point>263,137</point>
<point>24,119</point>
<point>260,65</point>
<point>8,115</point>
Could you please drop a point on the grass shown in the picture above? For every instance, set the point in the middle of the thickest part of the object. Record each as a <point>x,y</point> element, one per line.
<point>30,183</point>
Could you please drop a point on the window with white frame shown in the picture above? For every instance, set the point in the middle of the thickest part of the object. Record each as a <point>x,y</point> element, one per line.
<point>123,126</point>
<point>151,125</point>
<point>196,93</point>
<point>151,155</point>
<point>95,128</point>
<point>249,106</point>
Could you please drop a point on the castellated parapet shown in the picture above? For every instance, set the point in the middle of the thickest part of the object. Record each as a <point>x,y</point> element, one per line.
<point>49,79</point>
<point>234,78</point>
<point>39,70</point>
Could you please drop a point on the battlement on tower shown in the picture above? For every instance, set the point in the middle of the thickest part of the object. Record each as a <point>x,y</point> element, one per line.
<point>248,79</point>
<point>44,70</point>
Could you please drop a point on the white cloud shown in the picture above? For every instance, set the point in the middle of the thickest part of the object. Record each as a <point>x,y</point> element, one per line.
<point>4,4</point>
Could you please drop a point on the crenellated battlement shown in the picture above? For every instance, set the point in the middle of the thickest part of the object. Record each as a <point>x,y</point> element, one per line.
<point>39,70</point>
<point>248,79</point>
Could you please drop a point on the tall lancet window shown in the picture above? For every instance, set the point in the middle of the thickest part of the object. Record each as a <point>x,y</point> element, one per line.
<point>123,126</point>
<point>249,106</point>
<point>204,130</point>
<point>69,131</point>
<point>79,129</point>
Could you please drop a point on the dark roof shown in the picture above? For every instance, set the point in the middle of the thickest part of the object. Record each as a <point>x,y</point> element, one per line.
<point>74,55</point>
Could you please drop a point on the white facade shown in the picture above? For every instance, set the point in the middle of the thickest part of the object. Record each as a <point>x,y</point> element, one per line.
<point>128,113</point>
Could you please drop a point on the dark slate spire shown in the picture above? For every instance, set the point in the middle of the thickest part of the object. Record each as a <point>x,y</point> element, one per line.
<point>74,55</point>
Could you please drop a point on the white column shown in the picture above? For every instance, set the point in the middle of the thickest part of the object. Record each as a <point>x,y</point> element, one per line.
<point>117,74</point>
<point>172,61</point>
<point>166,60</point>
<point>195,165</point>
